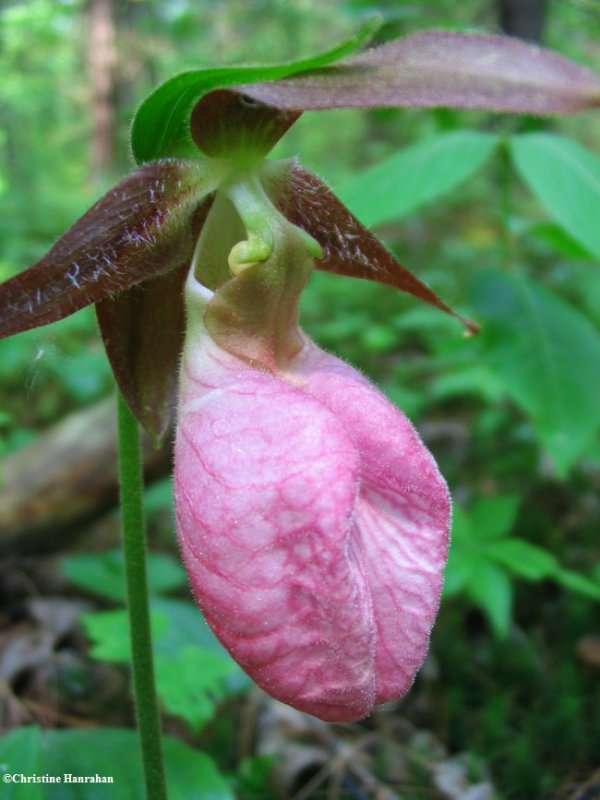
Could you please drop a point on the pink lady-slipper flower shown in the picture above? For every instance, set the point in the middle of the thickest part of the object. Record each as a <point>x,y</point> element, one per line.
<point>312,519</point>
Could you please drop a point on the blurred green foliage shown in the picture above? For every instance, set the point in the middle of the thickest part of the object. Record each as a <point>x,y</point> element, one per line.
<point>193,671</point>
<point>111,752</point>
<point>505,229</point>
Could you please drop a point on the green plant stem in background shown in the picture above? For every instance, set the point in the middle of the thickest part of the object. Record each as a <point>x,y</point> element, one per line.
<point>134,552</point>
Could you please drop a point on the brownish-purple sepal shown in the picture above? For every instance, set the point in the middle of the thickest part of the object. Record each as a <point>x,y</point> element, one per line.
<point>442,68</point>
<point>143,227</point>
<point>143,330</point>
<point>348,247</point>
<point>224,122</point>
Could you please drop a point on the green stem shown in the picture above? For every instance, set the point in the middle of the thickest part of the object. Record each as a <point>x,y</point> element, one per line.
<point>134,551</point>
<point>506,207</point>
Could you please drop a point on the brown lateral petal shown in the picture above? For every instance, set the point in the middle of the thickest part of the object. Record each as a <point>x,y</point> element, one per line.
<point>144,226</point>
<point>348,247</point>
<point>442,68</point>
<point>143,331</point>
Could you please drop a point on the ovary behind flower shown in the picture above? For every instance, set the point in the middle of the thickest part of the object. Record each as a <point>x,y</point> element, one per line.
<point>313,524</point>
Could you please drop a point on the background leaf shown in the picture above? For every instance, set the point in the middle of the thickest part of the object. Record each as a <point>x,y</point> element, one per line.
<point>565,178</point>
<point>20,752</point>
<point>103,573</point>
<point>493,517</point>
<point>110,752</point>
<point>490,588</point>
<point>108,632</point>
<point>192,681</point>
<point>523,559</point>
<point>547,356</point>
<point>483,556</point>
<point>193,670</point>
<point>416,175</point>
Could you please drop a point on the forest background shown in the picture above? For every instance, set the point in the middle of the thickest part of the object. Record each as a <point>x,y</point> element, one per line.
<point>501,217</point>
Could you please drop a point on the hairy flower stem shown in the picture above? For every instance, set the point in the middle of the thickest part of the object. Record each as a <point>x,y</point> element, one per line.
<point>134,552</point>
<point>506,208</point>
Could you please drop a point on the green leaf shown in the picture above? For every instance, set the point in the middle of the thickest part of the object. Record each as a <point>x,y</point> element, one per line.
<point>462,564</point>
<point>175,624</point>
<point>472,379</point>
<point>194,672</point>
<point>523,559</point>
<point>20,753</point>
<point>160,126</point>
<point>253,778</point>
<point>490,588</point>
<point>556,237</point>
<point>493,517</point>
<point>109,633</point>
<point>463,558</point>
<point>159,496</point>
<point>186,625</point>
<point>547,355</point>
<point>578,583</point>
<point>534,563</point>
<point>192,681</point>
<point>106,752</point>
<point>417,175</point>
<point>104,574</point>
<point>461,525</point>
<point>566,180</point>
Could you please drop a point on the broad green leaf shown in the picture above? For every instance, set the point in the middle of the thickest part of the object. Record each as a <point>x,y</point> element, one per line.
<point>193,670</point>
<point>489,587</point>
<point>556,237</point>
<point>461,525</point>
<point>566,180</point>
<point>534,563</point>
<point>160,126</point>
<point>578,583</point>
<point>192,681</point>
<point>175,624</point>
<point>110,753</point>
<point>158,497</point>
<point>417,175</point>
<point>463,558</point>
<point>109,633</point>
<point>253,778</point>
<point>547,355</point>
<point>493,517</point>
<point>20,753</point>
<point>186,625</point>
<point>462,564</point>
<point>104,574</point>
<point>523,559</point>
<point>472,379</point>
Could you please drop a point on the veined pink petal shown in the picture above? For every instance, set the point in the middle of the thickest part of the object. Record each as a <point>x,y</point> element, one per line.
<point>313,523</point>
